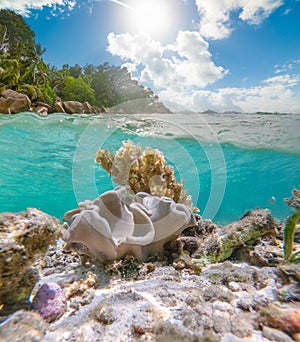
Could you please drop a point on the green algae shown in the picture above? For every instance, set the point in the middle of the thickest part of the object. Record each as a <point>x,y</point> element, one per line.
<point>289,233</point>
<point>290,228</point>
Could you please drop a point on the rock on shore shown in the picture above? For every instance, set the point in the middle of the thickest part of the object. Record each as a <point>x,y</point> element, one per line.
<point>13,102</point>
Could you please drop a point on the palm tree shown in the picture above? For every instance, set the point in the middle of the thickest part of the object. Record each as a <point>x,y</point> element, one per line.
<point>57,78</point>
<point>10,73</point>
<point>34,70</point>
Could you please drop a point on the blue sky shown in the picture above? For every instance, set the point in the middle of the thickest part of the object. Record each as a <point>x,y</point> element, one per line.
<point>223,55</point>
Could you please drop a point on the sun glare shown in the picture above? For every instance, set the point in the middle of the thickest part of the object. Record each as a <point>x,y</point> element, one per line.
<point>155,17</point>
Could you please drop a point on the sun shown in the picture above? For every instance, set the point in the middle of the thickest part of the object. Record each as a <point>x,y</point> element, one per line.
<point>155,17</point>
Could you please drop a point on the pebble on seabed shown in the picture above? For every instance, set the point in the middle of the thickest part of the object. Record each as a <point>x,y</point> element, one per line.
<point>50,301</point>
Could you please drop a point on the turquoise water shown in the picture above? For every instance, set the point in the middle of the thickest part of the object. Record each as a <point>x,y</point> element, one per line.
<point>48,163</point>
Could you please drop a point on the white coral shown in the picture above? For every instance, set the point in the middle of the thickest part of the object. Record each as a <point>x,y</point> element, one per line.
<point>143,171</point>
<point>123,160</point>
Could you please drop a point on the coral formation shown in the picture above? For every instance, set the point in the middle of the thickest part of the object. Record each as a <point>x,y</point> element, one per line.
<point>114,225</point>
<point>143,171</point>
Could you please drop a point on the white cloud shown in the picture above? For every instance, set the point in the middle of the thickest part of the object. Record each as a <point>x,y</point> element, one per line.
<point>196,60</point>
<point>277,94</point>
<point>215,14</point>
<point>283,80</point>
<point>201,100</point>
<point>24,7</point>
<point>287,67</point>
<point>176,67</point>
<point>137,48</point>
<point>215,100</point>
<point>179,73</point>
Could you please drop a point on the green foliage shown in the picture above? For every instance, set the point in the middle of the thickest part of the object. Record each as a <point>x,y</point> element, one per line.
<point>30,90</point>
<point>46,94</point>
<point>104,89</point>
<point>77,90</point>
<point>114,85</point>
<point>21,66</point>
<point>35,72</point>
<point>17,39</point>
<point>10,72</point>
<point>75,71</point>
<point>57,79</point>
<point>23,69</point>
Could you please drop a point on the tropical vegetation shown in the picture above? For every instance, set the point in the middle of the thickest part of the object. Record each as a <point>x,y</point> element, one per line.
<point>23,69</point>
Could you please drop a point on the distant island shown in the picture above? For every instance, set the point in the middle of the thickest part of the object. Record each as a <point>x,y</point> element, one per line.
<point>27,83</point>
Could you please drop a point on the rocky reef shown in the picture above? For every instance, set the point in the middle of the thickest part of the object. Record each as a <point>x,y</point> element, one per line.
<point>211,243</point>
<point>23,238</point>
<point>142,215</point>
<point>252,297</point>
<point>294,201</point>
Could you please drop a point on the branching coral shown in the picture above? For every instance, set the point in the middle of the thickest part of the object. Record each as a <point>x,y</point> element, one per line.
<point>111,226</point>
<point>143,171</point>
<point>290,228</point>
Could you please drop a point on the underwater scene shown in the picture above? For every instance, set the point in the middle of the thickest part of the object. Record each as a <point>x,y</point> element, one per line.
<point>230,163</point>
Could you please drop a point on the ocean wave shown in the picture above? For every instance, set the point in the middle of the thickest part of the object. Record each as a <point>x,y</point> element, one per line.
<point>279,132</point>
<point>248,131</point>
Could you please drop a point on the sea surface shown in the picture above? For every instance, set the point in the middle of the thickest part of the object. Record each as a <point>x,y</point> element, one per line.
<point>230,163</point>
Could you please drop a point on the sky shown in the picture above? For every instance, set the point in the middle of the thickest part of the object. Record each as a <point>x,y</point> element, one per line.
<point>223,55</point>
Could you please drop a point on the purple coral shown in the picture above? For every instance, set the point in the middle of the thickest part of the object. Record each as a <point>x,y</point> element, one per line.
<point>50,301</point>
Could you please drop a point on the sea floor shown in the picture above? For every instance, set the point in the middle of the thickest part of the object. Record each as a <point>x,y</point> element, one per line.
<point>251,297</point>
